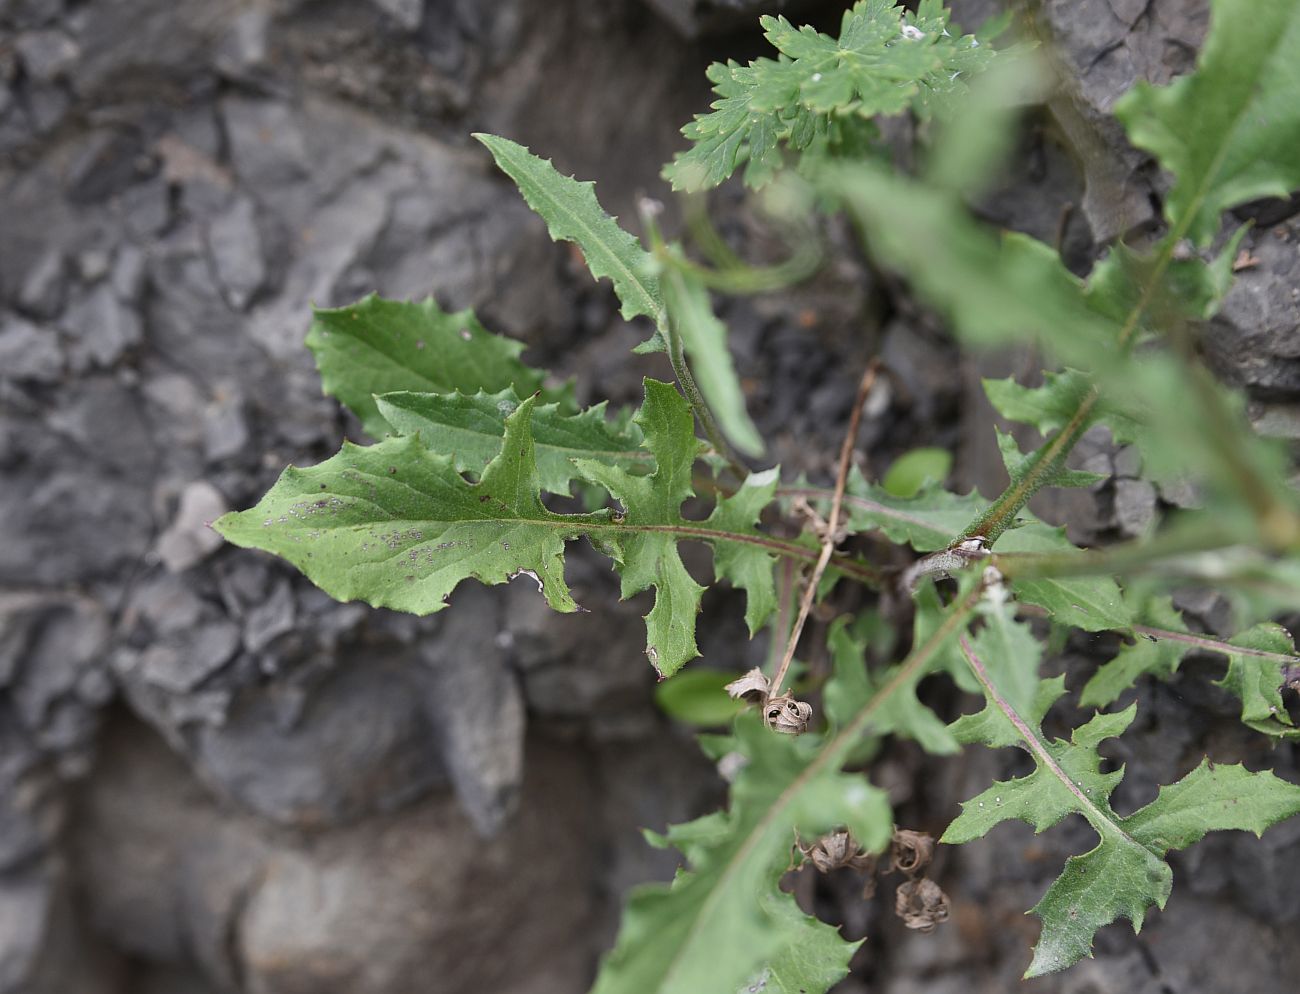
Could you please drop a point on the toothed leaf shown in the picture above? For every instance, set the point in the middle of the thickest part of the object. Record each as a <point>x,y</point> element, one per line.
<point>470,429</point>
<point>573,214</point>
<point>377,346</point>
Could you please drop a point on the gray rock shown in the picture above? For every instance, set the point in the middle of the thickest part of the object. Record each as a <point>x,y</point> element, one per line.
<point>236,251</point>
<point>29,352</point>
<point>46,55</point>
<point>103,327</point>
<point>107,162</point>
<point>364,742</point>
<point>1135,506</point>
<point>406,14</point>
<point>146,208</point>
<point>183,666</point>
<point>478,708</point>
<point>128,274</point>
<point>189,540</point>
<point>45,287</point>
<point>225,428</point>
<point>269,619</point>
<point>1128,462</point>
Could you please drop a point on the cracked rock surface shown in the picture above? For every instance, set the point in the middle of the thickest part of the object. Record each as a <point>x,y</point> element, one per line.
<point>216,780</point>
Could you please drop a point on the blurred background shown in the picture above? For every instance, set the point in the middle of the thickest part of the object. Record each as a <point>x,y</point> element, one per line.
<point>214,779</point>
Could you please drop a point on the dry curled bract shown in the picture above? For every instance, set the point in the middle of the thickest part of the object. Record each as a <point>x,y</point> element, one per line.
<point>921,904</point>
<point>910,852</point>
<point>786,715</point>
<point>751,687</point>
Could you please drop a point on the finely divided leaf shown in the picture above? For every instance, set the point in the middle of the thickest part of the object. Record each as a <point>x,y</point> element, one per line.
<point>470,429</point>
<point>1229,131</point>
<point>818,96</point>
<point>573,214</point>
<point>377,346</point>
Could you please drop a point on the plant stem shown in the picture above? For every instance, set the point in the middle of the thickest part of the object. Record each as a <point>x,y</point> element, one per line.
<point>832,526</point>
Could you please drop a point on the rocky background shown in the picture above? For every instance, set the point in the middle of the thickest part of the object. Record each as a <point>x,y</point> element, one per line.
<point>213,778</point>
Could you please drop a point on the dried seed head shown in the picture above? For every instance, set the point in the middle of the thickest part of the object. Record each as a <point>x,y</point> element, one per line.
<point>836,850</point>
<point>751,687</point>
<point>921,904</point>
<point>910,852</point>
<point>786,715</point>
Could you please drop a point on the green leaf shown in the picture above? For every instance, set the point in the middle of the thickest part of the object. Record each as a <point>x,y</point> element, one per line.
<point>1020,464</point>
<point>817,97</point>
<point>927,521</point>
<point>1255,660</point>
<point>705,340</point>
<point>698,697</point>
<point>852,686</point>
<point>470,429</point>
<point>723,921</point>
<point>1125,874</point>
<point>649,558</point>
<point>1093,603</point>
<point>573,214</point>
<point>1148,654</point>
<point>395,525</point>
<point>747,567</point>
<point>991,290</point>
<point>913,470</point>
<point>1229,131</point>
<point>378,346</point>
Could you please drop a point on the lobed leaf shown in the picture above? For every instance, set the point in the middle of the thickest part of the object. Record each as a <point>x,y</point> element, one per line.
<point>1125,874</point>
<point>396,525</point>
<point>1093,603</point>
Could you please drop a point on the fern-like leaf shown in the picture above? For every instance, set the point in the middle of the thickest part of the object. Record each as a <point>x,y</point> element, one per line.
<point>819,94</point>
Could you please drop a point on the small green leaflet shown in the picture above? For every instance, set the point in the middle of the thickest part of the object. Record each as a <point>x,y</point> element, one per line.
<point>470,429</point>
<point>1256,658</point>
<point>1229,131</point>
<point>927,521</point>
<point>646,551</point>
<point>377,346</point>
<point>705,340</point>
<point>818,95</point>
<point>1020,464</point>
<point>1126,873</point>
<point>852,685</point>
<point>397,525</point>
<point>573,214</point>
<point>1093,603</point>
